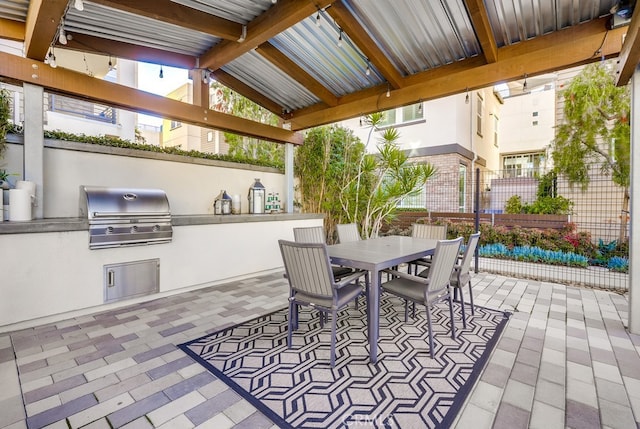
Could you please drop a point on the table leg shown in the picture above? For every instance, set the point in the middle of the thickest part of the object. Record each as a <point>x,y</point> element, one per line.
<point>373,315</point>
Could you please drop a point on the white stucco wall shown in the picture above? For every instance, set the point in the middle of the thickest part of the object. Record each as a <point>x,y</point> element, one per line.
<point>517,130</point>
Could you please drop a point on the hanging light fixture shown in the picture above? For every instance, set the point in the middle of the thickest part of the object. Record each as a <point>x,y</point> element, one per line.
<point>110,64</point>
<point>388,91</point>
<point>368,71</point>
<point>62,37</point>
<point>206,76</point>
<point>318,19</point>
<point>340,38</point>
<point>524,85</point>
<point>79,5</point>
<point>161,75</point>
<point>52,59</point>
<point>466,97</point>
<point>420,106</point>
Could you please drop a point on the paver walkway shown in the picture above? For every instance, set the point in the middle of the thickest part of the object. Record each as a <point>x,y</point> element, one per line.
<point>564,360</point>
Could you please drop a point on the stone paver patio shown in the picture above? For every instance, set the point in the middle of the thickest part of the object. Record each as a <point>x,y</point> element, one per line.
<point>564,360</point>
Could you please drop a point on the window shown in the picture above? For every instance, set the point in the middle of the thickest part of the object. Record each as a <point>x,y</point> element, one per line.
<point>534,114</point>
<point>479,114</point>
<point>462,188</point>
<point>175,124</point>
<point>403,115</point>
<point>523,165</point>
<point>534,123</point>
<point>209,136</point>
<point>496,123</point>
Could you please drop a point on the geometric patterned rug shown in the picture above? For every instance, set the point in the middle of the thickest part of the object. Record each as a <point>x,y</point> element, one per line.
<point>297,388</point>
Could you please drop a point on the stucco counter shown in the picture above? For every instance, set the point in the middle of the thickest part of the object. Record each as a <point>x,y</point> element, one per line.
<point>48,272</point>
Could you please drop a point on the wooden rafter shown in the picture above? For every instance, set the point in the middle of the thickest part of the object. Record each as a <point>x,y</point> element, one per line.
<point>80,85</point>
<point>630,53</point>
<point>277,58</point>
<point>12,30</point>
<point>271,23</point>
<point>363,41</point>
<point>175,13</point>
<point>241,88</point>
<point>480,21</point>
<point>43,19</point>
<point>570,47</point>
<point>98,45</point>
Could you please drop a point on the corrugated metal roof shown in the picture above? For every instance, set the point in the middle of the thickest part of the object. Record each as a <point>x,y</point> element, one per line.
<point>434,33</point>
<point>514,21</point>
<point>341,69</point>
<point>15,10</point>
<point>114,24</point>
<point>234,10</point>
<point>270,80</point>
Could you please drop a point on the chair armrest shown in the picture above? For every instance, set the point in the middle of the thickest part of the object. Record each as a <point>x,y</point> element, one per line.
<point>407,276</point>
<point>350,278</point>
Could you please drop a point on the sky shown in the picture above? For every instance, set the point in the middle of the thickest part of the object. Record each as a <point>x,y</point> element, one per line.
<point>149,80</point>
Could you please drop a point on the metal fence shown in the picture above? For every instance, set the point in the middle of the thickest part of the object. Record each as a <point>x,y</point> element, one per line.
<point>591,235</point>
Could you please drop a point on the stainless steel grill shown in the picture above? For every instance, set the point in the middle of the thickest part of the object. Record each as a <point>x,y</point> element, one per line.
<point>125,217</point>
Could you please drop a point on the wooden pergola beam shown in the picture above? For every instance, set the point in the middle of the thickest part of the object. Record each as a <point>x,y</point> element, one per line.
<point>362,40</point>
<point>43,19</point>
<point>79,85</point>
<point>480,22</point>
<point>566,48</point>
<point>274,21</point>
<point>12,30</point>
<point>630,54</point>
<point>297,73</point>
<point>177,14</point>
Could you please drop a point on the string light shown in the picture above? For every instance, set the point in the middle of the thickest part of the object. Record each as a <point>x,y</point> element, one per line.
<point>161,75</point>
<point>388,91</point>
<point>62,37</point>
<point>466,97</point>
<point>340,39</point>
<point>368,71</point>
<point>318,19</point>
<point>524,85</point>
<point>52,59</point>
<point>110,64</point>
<point>79,5</point>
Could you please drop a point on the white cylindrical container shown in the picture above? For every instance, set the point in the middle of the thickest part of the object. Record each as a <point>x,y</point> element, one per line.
<point>235,204</point>
<point>19,205</point>
<point>31,188</point>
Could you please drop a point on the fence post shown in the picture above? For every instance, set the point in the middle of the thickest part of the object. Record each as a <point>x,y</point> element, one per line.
<point>477,219</point>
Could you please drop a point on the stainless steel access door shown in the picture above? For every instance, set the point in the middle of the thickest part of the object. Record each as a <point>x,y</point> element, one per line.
<point>131,279</point>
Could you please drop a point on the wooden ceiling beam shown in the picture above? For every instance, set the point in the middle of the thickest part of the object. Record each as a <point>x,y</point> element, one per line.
<point>79,85</point>
<point>98,45</point>
<point>368,46</point>
<point>43,19</point>
<point>274,21</point>
<point>482,27</point>
<point>177,14</point>
<point>297,73</point>
<point>630,54</point>
<point>241,88</point>
<point>555,51</point>
<point>12,30</point>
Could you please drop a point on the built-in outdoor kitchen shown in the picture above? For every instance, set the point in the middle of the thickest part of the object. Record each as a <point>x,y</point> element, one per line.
<point>118,229</point>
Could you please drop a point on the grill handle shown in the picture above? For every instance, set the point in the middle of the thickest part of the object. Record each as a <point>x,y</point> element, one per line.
<point>130,214</point>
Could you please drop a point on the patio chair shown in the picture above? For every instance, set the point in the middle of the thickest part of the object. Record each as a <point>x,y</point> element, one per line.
<point>461,275</point>
<point>428,290</point>
<point>347,232</point>
<point>426,230</point>
<point>311,283</point>
<point>315,234</point>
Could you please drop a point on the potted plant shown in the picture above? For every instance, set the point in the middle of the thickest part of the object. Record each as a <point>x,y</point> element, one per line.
<point>5,114</point>
<point>4,180</point>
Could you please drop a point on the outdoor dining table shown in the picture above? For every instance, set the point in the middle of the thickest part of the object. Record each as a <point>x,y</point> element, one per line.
<point>375,255</point>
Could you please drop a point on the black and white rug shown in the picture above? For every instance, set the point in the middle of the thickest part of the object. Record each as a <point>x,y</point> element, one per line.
<point>297,388</point>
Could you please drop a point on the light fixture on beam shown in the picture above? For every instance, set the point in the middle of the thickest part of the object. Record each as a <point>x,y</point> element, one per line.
<point>368,71</point>
<point>161,75</point>
<point>466,97</point>
<point>62,37</point>
<point>340,38</point>
<point>524,85</point>
<point>79,5</point>
<point>206,76</point>
<point>243,35</point>
<point>388,91</point>
<point>318,19</point>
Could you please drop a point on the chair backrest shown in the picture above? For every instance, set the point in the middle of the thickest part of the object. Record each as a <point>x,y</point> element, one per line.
<point>312,234</point>
<point>308,268</point>
<point>347,232</point>
<point>465,264</point>
<point>444,259</point>
<point>425,230</point>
